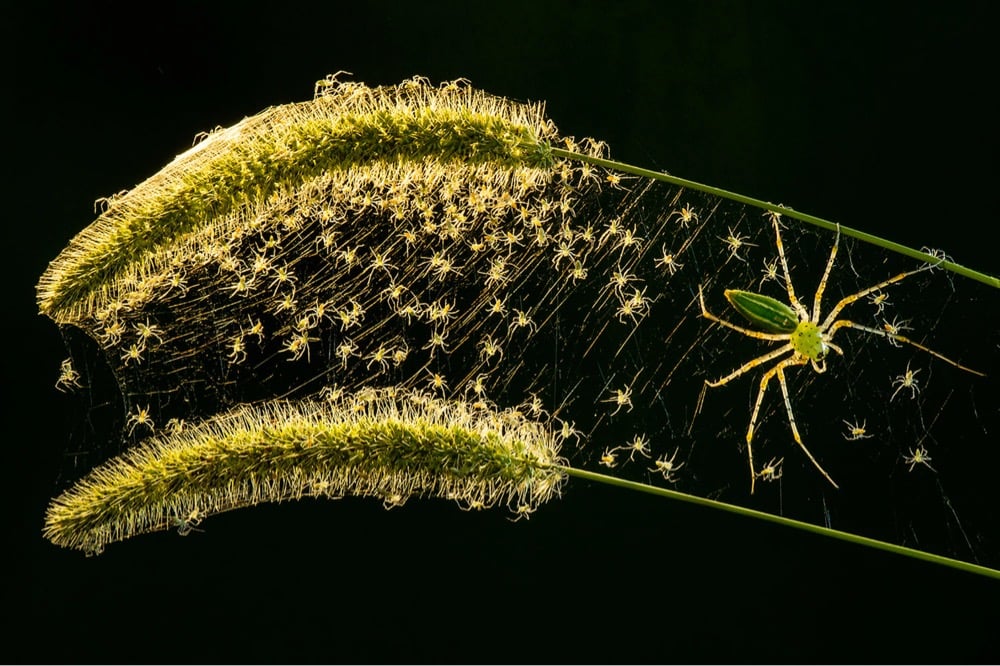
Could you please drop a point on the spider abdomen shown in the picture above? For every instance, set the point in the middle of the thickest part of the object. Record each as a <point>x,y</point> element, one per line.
<point>770,314</point>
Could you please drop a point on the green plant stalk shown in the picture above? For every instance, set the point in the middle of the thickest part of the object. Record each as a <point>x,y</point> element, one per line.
<point>786,212</point>
<point>781,520</point>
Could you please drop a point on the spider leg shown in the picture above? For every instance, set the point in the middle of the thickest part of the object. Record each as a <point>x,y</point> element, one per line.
<point>779,369</point>
<point>745,331</point>
<point>826,275</point>
<point>764,381</point>
<point>753,422</point>
<point>847,300</point>
<point>844,323</point>
<point>750,365</point>
<point>803,313</point>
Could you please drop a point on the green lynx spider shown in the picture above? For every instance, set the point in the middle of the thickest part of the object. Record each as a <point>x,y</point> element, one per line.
<point>807,338</point>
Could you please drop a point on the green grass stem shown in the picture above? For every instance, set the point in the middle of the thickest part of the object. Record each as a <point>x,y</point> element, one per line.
<point>781,520</point>
<point>785,212</point>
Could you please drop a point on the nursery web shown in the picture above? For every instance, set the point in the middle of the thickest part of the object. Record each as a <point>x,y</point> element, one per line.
<point>577,300</point>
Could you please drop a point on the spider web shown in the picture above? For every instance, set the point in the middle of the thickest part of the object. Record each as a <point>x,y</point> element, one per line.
<point>570,345</point>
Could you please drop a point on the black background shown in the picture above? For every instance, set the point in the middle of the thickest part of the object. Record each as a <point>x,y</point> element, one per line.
<point>879,117</point>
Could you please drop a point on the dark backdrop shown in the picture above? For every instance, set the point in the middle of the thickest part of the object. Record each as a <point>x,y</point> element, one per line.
<point>880,118</point>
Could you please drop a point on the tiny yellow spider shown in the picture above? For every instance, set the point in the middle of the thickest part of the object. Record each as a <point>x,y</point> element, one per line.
<point>133,353</point>
<point>346,350</point>
<point>535,407</point>
<point>770,272</point>
<point>523,320</point>
<point>147,331</point>
<point>772,470</point>
<point>615,180</point>
<point>256,328</point>
<point>608,458</point>
<point>620,398</point>
<point>668,262</point>
<point>380,356</point>
<point>639,444</point>
<point>894,328</point>
<point>563,252</point>
<point>282,276</point>
<point>399,355</point>
<point>805,338</point>
<point>472,505</point>
<point>918,457</point>
<point>112,334</point>
<point>667,466</point>
<point>141,417</point>
<point>488,348</point>
<point>479,385</point>
<point>735,243</point>
<point>906,380</point>
<point>298,346</point>
<point>437,382</point>
<point>189,524</point>
<point>237,350</point>
<point>567,430</point>
<point>879,300</point>
<point>69,378</point>
<point>522,511</point>
<point>685,216</point>
<point>855,431</point>
<point>437,341</point>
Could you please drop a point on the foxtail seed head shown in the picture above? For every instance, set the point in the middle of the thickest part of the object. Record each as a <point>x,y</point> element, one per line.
<point>274,152</point>
<point>386,443</point>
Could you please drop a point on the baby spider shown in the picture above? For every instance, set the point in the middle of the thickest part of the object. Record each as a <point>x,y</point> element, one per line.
<point>567,430</point>
<point>522,511</point>
<point>488,348</point>
<point>667,466</point>
<point>437,341</point>
<point>894,328</point>
<point>804,338</point>
<point>147,331</point>
<point>668,262</point>
<point>639,444</point>
<point>133,353</point>
<point>380,356</point>
<point>855,431</point>
<point>437,382</point>
<point>615,180</point>
<point>770,272</point>
<point>237,349</point>
<point>735,242</point>
<point>918,457</point>
<point>609,459</point>
<point>772,470</point>
<point>298,346</point>
<point>906,380</point>
<point>187,525</point>
<point>620,398</point>
<point>879,300</point>
<point>69,378</point>
<point>564,252</point>
<point>522,320</point>
<point>685,216</point>
<point>141,417</point>
<point>534,407</point>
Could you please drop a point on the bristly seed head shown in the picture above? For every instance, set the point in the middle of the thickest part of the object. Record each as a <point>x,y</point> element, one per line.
<point>374,442</point>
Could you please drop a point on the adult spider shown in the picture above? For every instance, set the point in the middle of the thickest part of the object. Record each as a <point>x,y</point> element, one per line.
<point>806,337</point>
